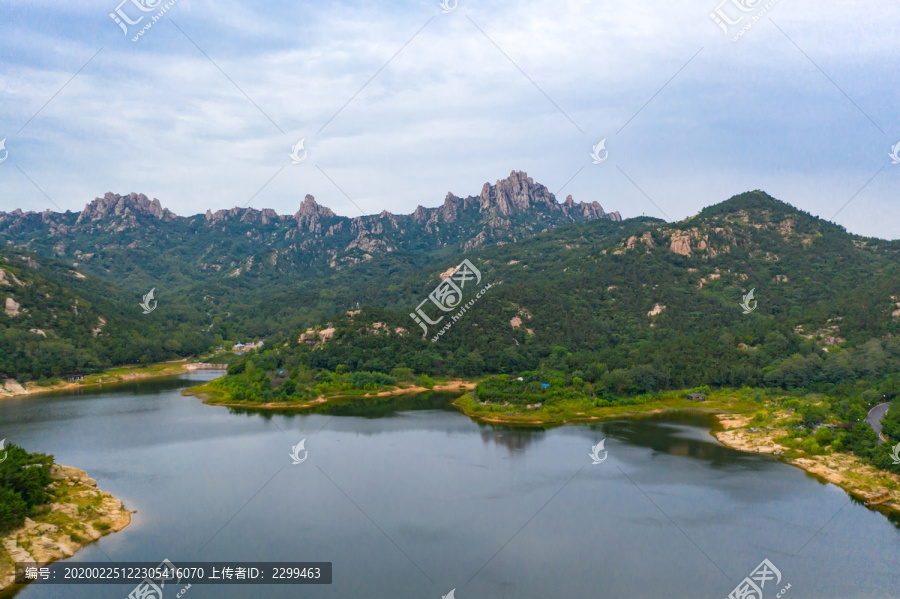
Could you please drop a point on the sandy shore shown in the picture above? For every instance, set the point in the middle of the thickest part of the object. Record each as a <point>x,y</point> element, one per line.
<point>79,514</point>
<point>847,471</point>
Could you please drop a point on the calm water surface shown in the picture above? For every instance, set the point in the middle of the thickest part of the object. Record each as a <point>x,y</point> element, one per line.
<point>410,499</point>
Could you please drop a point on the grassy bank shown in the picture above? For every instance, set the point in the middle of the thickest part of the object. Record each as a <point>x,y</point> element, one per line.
<point>11,388</point>
<point>217,394</point>
<point>564,411</point>
<point>805,430</point>
<point>780,424</point>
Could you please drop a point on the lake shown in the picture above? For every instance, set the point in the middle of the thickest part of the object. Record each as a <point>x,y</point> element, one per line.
<point>410,499</point>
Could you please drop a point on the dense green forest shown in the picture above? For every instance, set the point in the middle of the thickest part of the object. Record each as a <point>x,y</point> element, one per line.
<point>78,278</point>
<point>68,322</point>
<point>643,318</point>
<point>638,305</point>
<point>581,314</point>
<point>595,314</point>
<point>24,477</point>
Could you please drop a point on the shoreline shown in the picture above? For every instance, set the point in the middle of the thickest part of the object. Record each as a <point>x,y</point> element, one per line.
<point>12,389</point>
<point>452,385</point>
<point>78,515</point>
<point>844,470</point>
<point>592,414</point>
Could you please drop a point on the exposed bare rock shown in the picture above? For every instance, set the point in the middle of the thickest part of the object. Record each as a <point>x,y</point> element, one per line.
<point>476,242</point>
<point>507,211</point>
<point>420,216</point>
<point>10,387</point>
<point>646,239</point>
<point>657,309</point>
<point>681,245</point>
<point>827,336</point>
<point>317,337</point>
<point>113,204</point>
<point>38,332</point>
<point>689,241</point>
<point>92,514</point>
<point>70,474</point>
<point>369,245</point>
<point>8,279</point>
<point>389,218</point>
<point>589,211</point>
<point>516,193</point>
<point>12,307</point>
<point>309,208</point>
<point>310,215</point>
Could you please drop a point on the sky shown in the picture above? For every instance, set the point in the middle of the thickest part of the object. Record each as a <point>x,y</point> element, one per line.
<point>399,103</point>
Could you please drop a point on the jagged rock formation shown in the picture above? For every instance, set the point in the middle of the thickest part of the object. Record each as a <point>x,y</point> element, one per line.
<point>130,205</point>
<point>504,212</point>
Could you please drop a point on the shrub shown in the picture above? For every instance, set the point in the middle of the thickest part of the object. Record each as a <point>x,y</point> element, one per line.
<point>811,447</point>
<point>23,479</point>
<point>823,436</point>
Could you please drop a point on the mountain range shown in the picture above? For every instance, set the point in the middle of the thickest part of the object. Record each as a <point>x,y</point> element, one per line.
<point>629,293</point>
<point>135,241</point>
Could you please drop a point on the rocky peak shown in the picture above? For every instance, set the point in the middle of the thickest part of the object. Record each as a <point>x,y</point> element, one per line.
<point>267,215</point>
<point>516,193</point>
<point>420,216</point>
<point>588,211</point>
<point>309,210</point>
<point>220,215</point>
<point>450,209</point>
<point>133,204</point>
<point>310,213</point>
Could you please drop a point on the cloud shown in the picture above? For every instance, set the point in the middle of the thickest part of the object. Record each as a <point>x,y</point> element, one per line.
<point>478,92</point>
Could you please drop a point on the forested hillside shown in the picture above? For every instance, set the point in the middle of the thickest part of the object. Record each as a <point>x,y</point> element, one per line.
<point>662,304</point>
<point>58,321</point>
<point>606,315</point>
<point>228,275</point>
<point>640,304</point>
